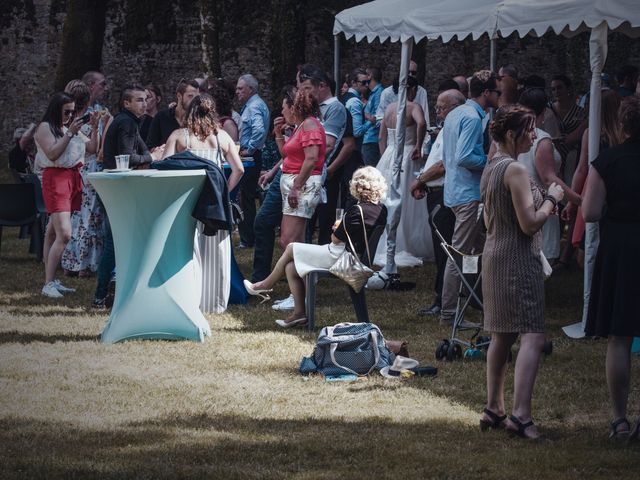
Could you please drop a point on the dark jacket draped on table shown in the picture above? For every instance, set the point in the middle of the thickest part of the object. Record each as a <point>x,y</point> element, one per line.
<point>213,208</point>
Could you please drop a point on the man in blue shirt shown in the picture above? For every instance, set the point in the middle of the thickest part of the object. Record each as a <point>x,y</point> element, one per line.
<point>359,86</point>
<point>464,160</point>
<point>370,148</point>
<point>253,134</point>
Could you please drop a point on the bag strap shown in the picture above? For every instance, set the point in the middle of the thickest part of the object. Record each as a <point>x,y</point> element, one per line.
<point>353,249</point>
<point>376,354</point>
<point>364,232</point>
<point>220,157</point>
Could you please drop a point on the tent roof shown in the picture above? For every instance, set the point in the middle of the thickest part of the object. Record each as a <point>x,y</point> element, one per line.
<point>399,20</point>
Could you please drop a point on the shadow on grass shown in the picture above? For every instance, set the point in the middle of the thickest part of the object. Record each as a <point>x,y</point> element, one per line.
<point>22,337</point>
<point>203,446</point>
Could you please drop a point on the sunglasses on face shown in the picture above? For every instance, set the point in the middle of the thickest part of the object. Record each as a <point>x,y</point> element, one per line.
<point>66,113</point>
<point>413,73</point>
<point>499,92</point>
<point>363,82</point>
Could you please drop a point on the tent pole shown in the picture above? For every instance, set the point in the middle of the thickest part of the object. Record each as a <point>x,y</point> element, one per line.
<point>336,60</point>
<point>394,196</point>
<point>492,54</point>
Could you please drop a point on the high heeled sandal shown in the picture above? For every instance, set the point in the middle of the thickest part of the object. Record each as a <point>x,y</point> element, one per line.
<point>291,323</point>
<point>263,294</point>
<point>521,427</point>
<point>496,422</point>
<point>619,434</point>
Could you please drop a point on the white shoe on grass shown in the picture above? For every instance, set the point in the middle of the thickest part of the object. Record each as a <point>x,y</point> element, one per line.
<point>50,290</point>
<point>284,304</point>
<point>61,288</point>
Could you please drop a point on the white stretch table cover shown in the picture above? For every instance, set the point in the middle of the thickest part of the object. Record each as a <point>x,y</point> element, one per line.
<point>150,216</point>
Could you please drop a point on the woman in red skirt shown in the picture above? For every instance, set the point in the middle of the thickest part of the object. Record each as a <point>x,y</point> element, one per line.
<point>61,151</point>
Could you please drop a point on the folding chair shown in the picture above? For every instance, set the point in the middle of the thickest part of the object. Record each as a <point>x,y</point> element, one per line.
<point>18,208</point>
<point>358,299</point>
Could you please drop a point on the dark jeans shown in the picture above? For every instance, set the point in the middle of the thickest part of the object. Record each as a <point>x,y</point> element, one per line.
<point>248,198</point>
<point>107,262</point>
<point>267,220</point>
<point>326,212</point>
<point>445,221</point>
<point>370,154</point>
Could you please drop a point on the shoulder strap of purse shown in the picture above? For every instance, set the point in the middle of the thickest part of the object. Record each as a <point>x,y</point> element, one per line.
<point>364,232</point>
<point>346,231</point>
<point>220,157</point>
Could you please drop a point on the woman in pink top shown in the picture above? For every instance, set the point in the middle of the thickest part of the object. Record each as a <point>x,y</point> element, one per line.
<point>304,156</point>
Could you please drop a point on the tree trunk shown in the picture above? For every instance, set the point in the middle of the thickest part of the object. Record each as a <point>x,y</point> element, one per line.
<point>82,39</point>
<point>211,24</point>
<point>288,37</point>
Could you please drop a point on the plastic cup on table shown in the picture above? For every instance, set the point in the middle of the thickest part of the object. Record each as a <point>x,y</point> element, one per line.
<point>122,162</point>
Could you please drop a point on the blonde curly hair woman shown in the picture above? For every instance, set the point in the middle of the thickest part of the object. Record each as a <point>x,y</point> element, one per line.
<point>369,188</point>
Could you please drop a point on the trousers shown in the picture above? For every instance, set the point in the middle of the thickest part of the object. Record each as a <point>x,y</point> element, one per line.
<point>468,237</point>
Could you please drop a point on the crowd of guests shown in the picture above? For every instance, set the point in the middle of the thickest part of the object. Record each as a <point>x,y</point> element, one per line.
<point>506,189</point>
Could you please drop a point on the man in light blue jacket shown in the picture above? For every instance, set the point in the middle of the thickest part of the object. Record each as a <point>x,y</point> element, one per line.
<point>464,152</point>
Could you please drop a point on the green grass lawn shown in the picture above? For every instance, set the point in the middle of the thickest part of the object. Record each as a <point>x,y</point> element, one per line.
<point>236,407</point>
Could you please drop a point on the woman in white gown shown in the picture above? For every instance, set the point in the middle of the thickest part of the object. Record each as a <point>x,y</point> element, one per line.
<point>204,137</point>
<point>413,235</point>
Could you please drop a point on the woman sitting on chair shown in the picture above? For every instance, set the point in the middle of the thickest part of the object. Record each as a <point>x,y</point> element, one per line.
<point>369,189</point>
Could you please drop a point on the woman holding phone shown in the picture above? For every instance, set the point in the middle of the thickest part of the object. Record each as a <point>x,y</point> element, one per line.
<point>61,150</point>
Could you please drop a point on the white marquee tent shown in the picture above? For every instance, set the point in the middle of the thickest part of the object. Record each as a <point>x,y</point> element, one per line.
<point>413,20</point>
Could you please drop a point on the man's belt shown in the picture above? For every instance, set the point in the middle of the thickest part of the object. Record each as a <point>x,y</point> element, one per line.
<point>433,189</point>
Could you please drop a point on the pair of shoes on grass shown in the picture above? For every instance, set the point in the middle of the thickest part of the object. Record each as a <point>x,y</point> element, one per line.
<point>513,425</point>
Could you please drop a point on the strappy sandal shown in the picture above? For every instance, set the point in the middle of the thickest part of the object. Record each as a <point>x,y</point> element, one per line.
<point>617,433</point>
<point>496,422</point>
<point>521,427</point>
<point>263,294</point>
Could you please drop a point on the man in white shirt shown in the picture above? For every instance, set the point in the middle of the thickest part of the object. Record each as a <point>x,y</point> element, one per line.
<point>430,183</point>
<point>388,96</point>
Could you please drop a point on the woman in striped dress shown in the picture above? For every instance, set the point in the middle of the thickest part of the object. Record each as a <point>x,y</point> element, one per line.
<point>515,209</point>
<point>204,137</point>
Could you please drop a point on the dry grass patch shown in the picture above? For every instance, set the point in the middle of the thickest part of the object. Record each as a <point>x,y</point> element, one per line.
<point>236,407</point>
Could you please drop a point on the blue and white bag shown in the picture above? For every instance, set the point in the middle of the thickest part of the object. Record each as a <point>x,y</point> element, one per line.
<point>355,348</point>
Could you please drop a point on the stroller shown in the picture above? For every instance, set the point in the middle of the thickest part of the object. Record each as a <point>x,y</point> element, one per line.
<point>469,269</point>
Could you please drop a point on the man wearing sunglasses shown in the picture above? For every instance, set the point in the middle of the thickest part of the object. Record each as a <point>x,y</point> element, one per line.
<point>388,96</point>
<point>370,148</point>
<point>352,100</point>
<point>464,155</point>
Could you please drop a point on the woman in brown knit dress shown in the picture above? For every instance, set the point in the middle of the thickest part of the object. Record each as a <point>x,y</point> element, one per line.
<point>515,208</point>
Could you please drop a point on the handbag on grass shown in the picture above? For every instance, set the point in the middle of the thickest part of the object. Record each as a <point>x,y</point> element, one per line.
<point>348,267</point>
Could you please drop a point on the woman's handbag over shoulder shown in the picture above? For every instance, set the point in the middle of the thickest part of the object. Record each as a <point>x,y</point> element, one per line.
<point>348,267</point>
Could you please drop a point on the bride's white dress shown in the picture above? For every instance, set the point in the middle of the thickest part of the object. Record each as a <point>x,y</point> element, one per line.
<point>413,240</point>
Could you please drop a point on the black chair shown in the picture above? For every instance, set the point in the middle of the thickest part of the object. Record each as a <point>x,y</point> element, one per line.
<point>18,208</point>
<point>37,235</point>
<point>358,299</point>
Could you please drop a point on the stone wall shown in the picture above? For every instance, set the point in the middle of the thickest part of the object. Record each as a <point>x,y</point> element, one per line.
<point>162,41</point>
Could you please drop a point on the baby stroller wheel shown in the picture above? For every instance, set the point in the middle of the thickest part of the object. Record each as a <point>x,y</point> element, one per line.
<point>441,351</point>
<point>454,351</point>
<point>547,348</point>
<point>457,351</point>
